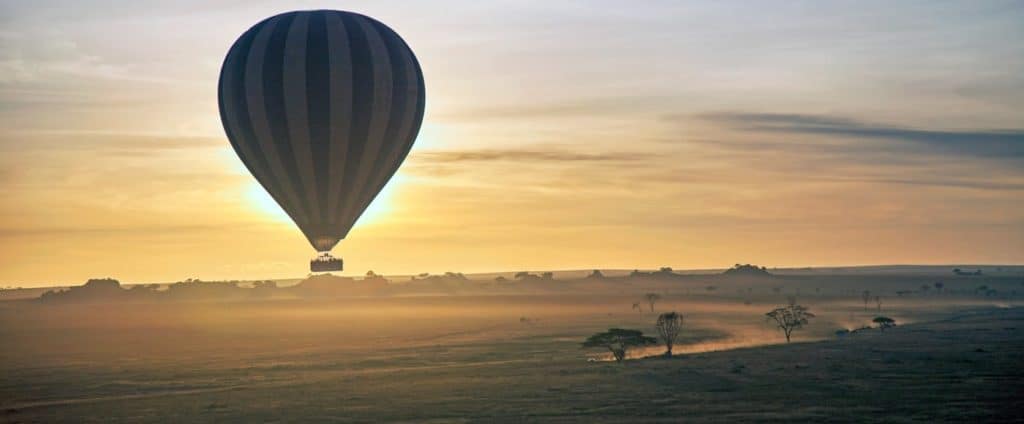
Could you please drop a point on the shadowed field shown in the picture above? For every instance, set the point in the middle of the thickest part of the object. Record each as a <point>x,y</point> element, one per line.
<point>512,357</point>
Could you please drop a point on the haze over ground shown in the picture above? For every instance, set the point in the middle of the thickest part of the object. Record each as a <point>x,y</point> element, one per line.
<point>447,348</point>
<point>557,136</point>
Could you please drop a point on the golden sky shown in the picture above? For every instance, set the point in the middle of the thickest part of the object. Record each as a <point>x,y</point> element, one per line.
<point>557,136</point>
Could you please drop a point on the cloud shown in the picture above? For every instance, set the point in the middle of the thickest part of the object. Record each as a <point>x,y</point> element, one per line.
<point>989,144</point>
<point>106,142</point>
<point>600,107</point>
<point>147,229</point>
<point>797,148</point>
<point>538,170</point>
<point>949,183</point>
<point>526,155</point>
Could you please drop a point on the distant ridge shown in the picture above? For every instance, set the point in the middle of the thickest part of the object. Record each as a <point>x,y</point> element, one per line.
<point>747,270</point>
<point>994,270</point>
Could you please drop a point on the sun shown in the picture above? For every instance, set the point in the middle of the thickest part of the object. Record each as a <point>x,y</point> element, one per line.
<point>261,201</point>
<point>379,208</point>
<point>382,205</point>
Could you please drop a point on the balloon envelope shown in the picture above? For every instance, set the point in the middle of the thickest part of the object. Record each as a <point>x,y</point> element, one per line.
<point>322,107</point>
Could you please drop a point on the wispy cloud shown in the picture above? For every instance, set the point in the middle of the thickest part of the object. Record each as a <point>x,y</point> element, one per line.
<point>105,142</point>
<point>941,182</point>
<point>122,229</point>
<point>527,155</point>
<point>583,107</point>
<point>999,144</point>
<point>842,150</point>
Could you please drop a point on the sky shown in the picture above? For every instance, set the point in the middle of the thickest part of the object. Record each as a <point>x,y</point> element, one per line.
<point>558,135</point>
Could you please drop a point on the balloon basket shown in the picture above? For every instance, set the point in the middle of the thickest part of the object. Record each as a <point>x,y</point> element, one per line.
<point>325,263</point>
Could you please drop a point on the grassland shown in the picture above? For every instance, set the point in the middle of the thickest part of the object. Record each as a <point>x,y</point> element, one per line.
<point>515,356</point>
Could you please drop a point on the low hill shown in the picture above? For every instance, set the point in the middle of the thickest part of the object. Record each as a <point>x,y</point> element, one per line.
<point>747,270</point>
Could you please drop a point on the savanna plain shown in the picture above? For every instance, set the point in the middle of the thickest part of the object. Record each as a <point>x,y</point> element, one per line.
<point>475,349</point>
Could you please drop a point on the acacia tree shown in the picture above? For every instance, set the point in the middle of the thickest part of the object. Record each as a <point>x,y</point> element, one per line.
<point>884,322</point>
<point>669,325</point>
<point>790,318</point>
<point>651,299</point>
<point>619,341</point>
<point>866,296</point>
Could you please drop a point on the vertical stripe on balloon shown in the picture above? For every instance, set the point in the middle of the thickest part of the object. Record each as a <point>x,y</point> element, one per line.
<point>341,105</point>
<point>295,107</point>
<point>380,110</point>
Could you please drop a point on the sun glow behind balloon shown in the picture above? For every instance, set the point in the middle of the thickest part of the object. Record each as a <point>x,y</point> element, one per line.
<point>381,206</point>
<point>261,201</point>
<point>377,212</point>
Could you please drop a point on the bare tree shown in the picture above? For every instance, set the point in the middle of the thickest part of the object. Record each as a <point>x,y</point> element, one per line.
<point>866,296</point>
<point>790,318</point>
<point>619,341</point>
<point>878,301</point>
<point>651,299</point>
<point>669,325</point>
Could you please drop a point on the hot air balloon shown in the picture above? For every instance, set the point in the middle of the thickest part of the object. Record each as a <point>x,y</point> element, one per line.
<point>322,107</point>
